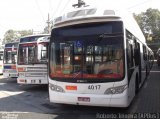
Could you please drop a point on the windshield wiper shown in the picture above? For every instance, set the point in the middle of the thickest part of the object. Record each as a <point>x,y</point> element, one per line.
<point>76,74</point>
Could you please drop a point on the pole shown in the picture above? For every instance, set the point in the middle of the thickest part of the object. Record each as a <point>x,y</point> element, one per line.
<point>48,24</point>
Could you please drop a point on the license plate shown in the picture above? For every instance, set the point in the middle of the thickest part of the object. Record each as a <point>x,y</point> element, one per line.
<point>84,99</point>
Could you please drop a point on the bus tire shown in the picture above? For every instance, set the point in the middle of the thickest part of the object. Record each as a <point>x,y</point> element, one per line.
<point>136,85</point>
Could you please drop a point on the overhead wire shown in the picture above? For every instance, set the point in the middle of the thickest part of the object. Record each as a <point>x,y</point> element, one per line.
<point>3,26</point>
<point>136,5</point>
<point>40,10</point>
<point>50,4</point>
<point>65,6</point>
<point>57,8</point>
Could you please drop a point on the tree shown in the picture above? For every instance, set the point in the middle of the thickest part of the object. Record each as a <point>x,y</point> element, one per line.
<point>13,35</point>
<point>45,31</point>
<point>149,23</point>
<point>25,32</point>
<point>9,36</point>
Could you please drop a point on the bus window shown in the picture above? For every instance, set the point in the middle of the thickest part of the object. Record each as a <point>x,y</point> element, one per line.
<point>27,53</point>
<point>31,54</point>
<point>90,60</point>
<point>130,46</point>
<point>14,57</point>
<point>7,59</point>
<point>144,53</point>
<point>42,52</point>
<point>112,63</point>
<point>1,56</point>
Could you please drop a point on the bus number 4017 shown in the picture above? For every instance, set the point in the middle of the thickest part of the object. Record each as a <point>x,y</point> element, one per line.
<point>94,87</point>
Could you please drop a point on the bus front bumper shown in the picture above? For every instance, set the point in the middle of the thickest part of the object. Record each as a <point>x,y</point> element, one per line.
<point>117,100</point>
<point>33,80</point>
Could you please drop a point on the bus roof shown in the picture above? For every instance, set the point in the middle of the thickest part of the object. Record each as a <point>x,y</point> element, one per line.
<point>44,39</point>
<point>32,38</point>
<point>11,44</point>
<point>35,35</point>
<point>90,14</point>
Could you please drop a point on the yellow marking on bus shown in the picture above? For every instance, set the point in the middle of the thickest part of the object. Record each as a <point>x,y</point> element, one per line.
<point>71,87</point>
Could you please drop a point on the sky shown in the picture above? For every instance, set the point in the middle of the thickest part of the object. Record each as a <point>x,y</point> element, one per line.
<point>33,14</point>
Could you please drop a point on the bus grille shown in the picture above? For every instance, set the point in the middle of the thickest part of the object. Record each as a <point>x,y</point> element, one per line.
<point>36,69</point>
<point>33,68</point>
<point>36,74</point>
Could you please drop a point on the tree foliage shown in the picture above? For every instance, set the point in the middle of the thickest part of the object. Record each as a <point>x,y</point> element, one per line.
<point>13,35</point>
<point>45,31</point>
<point>9,36</point>
<point>25,32</point>
<point>149,23</point>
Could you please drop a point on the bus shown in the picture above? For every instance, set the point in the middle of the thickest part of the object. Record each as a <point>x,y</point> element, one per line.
<point>1,61</point>
<point>10,60</point>
<point>32,59</point>
<point>98,57</point>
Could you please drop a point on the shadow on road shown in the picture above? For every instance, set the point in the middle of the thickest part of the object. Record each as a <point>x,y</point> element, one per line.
<point>34,99</point>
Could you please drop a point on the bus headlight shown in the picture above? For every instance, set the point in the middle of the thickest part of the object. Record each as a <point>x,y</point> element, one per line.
<point>56,88</point>
<point>115,90</point>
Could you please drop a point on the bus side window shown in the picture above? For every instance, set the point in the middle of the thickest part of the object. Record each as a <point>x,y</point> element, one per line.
<point>130,56</point>
<point>144,53</point>
<point>1,57</point>
<point>130,46</point>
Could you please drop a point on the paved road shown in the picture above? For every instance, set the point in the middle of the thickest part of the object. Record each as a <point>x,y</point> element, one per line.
<point>31,102</point>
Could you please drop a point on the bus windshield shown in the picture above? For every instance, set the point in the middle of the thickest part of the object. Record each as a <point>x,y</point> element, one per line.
<point>27,53</point>
<point>31,53</point>
<point>87,53</point>
<point>10,56</point>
